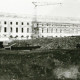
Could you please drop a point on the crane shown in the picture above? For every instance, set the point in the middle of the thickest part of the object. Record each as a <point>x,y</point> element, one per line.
<point>44,3</point>
<point>36,4</point>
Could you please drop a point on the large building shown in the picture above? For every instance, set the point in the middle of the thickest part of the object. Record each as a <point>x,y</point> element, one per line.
<point>14,27</point>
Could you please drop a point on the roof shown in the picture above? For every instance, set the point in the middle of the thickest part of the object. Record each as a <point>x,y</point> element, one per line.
<point>41,18</point>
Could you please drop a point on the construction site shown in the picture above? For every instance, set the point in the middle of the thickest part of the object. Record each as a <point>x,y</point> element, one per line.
<point>39,47</point>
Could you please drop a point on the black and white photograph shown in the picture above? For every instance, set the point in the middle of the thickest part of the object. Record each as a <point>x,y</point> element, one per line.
<point>39,39</point>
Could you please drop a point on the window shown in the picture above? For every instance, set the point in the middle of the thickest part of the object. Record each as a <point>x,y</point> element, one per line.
<point>47,24</point>
<point>22,30</point>
<point>16,36</point>
<point>27,30</point>
<point>22,23</point>
<point>5,29</point>
<point>16,23</point>
<point>5,22</point>
<point>22,36</point>
<point>47,30</point>
<point>60,30</point>
<point>37,24</point>
<point>10,29</point>
<point>11,36</point>
<point>27,23</point>
<point>16,29</point>
<point>31,36</point>
<point>56,30</point>
<point>42,24</point>
<point>42,30</point>
<point>11,23</point>
<point>42,36</point>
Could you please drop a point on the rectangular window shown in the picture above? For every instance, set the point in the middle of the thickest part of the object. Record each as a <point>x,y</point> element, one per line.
<point>22,30</point>
<point>60,30</point>
<point>47,30</point>
<point>10,29</point>
<point>10,23</point>
<point>16,30</point>
<point>42,30</point>
<point>27,23</point>
<point>37,24</point>
<point>16,23</point>
<point>22,23</point>
<point>27,30</point>
<point>5,29</point>
<point>5,22</point>
<point>42,24</point>
<point>56,30</point>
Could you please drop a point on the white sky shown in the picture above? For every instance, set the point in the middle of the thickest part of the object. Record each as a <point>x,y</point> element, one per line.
<point>69,8</point>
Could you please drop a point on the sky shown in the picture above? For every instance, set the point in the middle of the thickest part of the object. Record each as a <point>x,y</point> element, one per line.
<point>68,8</point>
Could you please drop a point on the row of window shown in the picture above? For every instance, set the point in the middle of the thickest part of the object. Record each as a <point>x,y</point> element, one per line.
<point>43,31</point>
<point>22,30</point>
<point>57,25</point>
<point>22,23</point>
<point>11,30</point>
<point>56,30</point>
<point>44,24</point>
<point>19,36</point>
<point>50,25</point>
<point>22,36</point>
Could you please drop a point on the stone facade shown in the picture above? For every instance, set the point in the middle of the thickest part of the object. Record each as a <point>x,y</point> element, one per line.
<point>15,28</point>
<point>22,28</point>
<point>51,29</point>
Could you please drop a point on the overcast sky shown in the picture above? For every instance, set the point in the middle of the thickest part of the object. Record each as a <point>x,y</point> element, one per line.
<point>69,8</point>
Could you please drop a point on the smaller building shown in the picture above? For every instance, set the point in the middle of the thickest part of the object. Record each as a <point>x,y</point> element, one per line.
<point>51,29</point>
<point>13,27</point>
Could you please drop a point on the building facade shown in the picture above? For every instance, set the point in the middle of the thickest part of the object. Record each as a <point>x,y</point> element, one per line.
<point>51,29</point>
<point>23,28</point>
<point>13,27</point>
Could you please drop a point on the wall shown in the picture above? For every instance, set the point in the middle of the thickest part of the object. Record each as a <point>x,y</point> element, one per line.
<point>12,35</point>
<point>47,29</point>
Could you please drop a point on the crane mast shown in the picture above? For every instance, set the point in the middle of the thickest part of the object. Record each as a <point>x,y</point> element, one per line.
<point>35,27</point>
